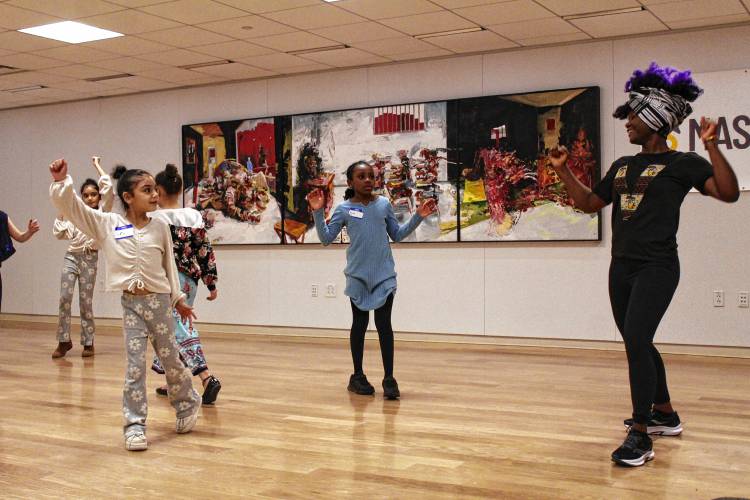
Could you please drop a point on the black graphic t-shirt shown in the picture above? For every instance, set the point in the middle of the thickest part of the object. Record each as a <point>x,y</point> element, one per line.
<point>646,191</point>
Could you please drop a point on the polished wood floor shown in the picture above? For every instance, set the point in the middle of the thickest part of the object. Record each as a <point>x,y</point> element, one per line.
<point>474,422</point>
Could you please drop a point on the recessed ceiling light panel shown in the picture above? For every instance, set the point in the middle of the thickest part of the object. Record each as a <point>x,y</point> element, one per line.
<point>71,32</point>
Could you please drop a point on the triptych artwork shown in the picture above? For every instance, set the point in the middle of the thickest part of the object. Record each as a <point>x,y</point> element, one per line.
<point>483,159</point>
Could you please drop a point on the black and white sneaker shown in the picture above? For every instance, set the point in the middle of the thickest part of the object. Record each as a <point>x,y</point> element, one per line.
<point>358,384</point>
<point>661,424</point>
<point>390,388</point>
<point>637,449</point>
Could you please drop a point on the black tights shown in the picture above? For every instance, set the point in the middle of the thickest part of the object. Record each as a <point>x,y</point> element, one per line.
<point>640,293</point>
<point>360,320</point>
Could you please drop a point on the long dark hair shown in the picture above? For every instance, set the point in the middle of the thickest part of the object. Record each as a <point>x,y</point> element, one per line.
<point>169,179</point>
<point>126,180</point>
<point>89,182</point>
<point>349,193</point>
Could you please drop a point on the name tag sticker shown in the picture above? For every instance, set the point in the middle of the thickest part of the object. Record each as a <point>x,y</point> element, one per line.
<point>357,213</point>
<point>122,232</point>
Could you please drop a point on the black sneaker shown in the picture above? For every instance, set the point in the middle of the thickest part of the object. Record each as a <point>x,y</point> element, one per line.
<point>661,424</point>
<point>637,449</point>
<point>390,388</point>
<point>358,384</point>
<point>211,390</point>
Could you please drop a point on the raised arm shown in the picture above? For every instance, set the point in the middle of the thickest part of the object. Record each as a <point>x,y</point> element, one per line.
<point>326,232</point>
<point>105,186</point>
<point>19,236</point>
<point>399,232</point>
<point>92,222</point>
<point>584,198</point>
<point>723,184</point>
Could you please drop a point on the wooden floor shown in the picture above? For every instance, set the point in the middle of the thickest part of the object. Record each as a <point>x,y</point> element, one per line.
<point>474,422</point>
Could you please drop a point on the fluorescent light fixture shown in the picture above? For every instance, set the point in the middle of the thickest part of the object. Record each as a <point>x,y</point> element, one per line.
<point>604,13</point>
<point>449,32</point>
<point>206,64</point>
<point>318,49</point>
<point>71,32</point>
<point>108,77</point>
<point>330,1</point>
<point>27,88</point>
<point>9,70</point>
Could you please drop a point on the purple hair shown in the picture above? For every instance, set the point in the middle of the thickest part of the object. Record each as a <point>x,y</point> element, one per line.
<point>675,82</point>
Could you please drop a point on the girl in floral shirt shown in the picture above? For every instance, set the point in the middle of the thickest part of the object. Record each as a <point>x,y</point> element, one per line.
<point>195,261</point>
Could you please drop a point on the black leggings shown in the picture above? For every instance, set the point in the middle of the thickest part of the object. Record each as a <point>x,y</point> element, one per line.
<point>640,293</point>
<point>360,320</point>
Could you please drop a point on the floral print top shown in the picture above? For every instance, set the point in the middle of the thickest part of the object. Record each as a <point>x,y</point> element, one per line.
<point>194,254</point>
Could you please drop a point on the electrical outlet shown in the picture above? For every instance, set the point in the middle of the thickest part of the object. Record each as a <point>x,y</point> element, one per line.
<point>330,290</point>
<point>743,299</point>
<point>314,290</point>
<point>718,298</point>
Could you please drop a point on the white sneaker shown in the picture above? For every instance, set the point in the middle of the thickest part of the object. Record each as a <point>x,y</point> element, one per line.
<point>186,424</point>
<point>135,441</point>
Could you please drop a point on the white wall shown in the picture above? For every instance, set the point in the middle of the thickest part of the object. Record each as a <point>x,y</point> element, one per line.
<point>553,290</point>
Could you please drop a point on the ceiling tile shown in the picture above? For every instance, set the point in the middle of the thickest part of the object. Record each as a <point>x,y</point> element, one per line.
<point>178,57</point>
<point>136,3</point>
<point>345,57</point>
<point>572,7</point>
<point>506,12</point>
<point>170,74</point>
<point>21,42</point>
<point>76,53</point>
<point>13,18</point>
<point>127,65</point>
<point>80,71</point>
<point>261,6</point>
<point>392,46</point>
<point>478,41</point>
<point>457,4</point>
<point>128,46</point>
<point>193,11</point>
<point>303,69</point>
<point>315,16</point>
<point>696,9</point>
<point>428,23</point>
<point>421,55</point>
<point>359,32</point>
<point>276,62</point>
<point>237,49</point>
<point>130,22</point>
<point>552,39</point>
<point>68,9</point>
<point>709,21</point>
<point>619,24</point>
<point>236,71</point>
<point>30,61</point>
<point>537,28</point>
<point>142,83</point>
<point>381,9</point>
<point>30,78</point>
<point>293,41</point>
<point>186,36</point>
<point>247,27</point>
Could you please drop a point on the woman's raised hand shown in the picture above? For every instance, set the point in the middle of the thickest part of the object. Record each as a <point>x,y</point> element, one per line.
<point>316,199</point>
<point>557,157</point>
<point>428,206</point>
<point>58,169</point>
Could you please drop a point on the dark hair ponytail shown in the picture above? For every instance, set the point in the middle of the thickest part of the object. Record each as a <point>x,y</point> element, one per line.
<point>126,180</point>
<point>169,179</point>
<point>89,182</point>
<point>349,193</point>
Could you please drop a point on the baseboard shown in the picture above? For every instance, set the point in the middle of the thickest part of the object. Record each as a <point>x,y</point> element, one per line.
<point>42,322</point>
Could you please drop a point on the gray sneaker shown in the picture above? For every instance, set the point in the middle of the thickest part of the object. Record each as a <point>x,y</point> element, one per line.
<point>135,441</point>
<point>185,424</point>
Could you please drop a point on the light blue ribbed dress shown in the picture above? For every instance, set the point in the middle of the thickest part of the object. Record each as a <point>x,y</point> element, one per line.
<point>370,270</point>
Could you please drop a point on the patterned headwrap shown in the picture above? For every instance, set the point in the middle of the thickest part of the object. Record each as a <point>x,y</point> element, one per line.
<point>660,96</point>
<point>662,111</point>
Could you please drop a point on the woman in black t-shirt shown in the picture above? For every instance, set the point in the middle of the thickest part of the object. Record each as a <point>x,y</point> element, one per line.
<point>647,190</point>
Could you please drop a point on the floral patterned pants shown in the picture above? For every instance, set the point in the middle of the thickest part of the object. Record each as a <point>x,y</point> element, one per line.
<point>81,267</point>
<point>149,318</point>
